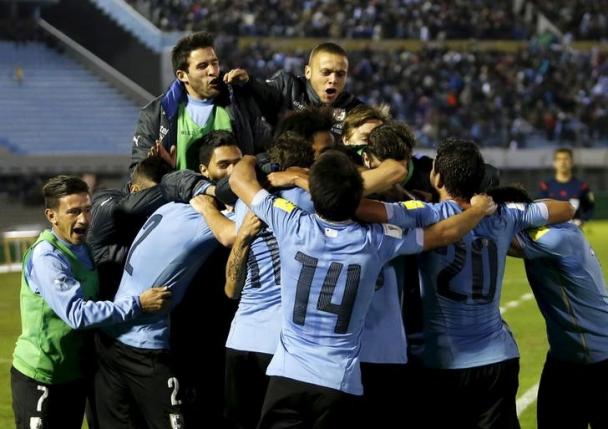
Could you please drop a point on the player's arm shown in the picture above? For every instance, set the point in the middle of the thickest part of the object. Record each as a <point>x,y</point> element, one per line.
<point>587,204</point>
<point>405,214</point>
<point>236,267</point>
<point>293,176</point>
<point>558,211</point>
<point>63,293</point>
<point>381,178</point>
<point>222,228</point>
<point>243,180</point>
<point>455,227</point>
<point>146,133</point>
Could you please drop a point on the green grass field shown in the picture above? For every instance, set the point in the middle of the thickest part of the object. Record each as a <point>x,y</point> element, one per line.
<point>521,314</point>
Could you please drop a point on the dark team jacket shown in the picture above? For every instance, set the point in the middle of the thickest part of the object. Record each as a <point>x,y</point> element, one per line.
<point>118,215</point>
<point>285,92</point>
<point>576,191</point>
<point>158,120</point>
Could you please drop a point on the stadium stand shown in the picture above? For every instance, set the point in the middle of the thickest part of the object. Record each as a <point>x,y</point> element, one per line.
<point>60,107</point>
<point>536,96</point>
<point>583,19</point>
<point>416,19</point>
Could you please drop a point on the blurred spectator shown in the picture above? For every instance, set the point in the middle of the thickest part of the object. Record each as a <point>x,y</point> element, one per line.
<point>413,19</point>
<point>520,98</point>
<point>19,74</point>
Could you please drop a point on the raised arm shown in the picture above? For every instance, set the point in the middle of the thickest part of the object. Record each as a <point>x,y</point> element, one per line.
<point>236,267</point>
<point>381,178</point>
<point>452,229</point>
<point>222,228</point>
<point>243,181</point>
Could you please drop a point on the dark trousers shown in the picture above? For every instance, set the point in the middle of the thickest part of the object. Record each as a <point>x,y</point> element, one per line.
<point>573,395</point>
<point>482,397</point>
<point>245,388</point>
<point>47,406</point>
<point>132,383</point>
<point>295,404</point>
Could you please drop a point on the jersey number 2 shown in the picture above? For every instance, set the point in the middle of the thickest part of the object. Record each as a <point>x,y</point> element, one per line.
<point>148,228</point>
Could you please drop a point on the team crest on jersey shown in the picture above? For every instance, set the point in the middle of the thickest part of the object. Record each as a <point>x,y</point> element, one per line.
<point>392,230</point>
<point>285,205</point>
<point>536,234</point>
<point>413,204</point>
<point>177,421</point>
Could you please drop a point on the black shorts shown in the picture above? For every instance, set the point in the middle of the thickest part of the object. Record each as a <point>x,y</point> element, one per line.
<point>291,403</point>
<point>479,397</point>
<point>246,383</point>
<point>49,406</point>
<point>573,395</point>
<point>133,383</point>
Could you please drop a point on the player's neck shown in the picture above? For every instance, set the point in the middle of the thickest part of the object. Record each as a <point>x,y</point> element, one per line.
<point>445,196</point>
<point>563,177</point>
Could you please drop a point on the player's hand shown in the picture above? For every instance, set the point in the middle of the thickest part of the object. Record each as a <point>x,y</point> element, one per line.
<point>201,203</point>
<point>154,299</point>
<point>287,178</point>
<point>159,150</point>
<point>484,203</point>
<point>236,77</point>
<point>251,226</point>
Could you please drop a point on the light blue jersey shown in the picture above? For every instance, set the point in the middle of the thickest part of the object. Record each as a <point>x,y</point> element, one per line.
<point>568,284</point>
<point>461,286</point>
<point>383,339</point>
<point>168,250</point>
<point>257,321</point>
<point>328,276</point>
<point>51,277</point>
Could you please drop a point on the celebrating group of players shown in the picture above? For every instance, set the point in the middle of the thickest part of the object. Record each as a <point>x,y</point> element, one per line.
<point>368,279</point>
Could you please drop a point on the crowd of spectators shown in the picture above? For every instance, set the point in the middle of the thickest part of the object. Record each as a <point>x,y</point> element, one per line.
<point>411,19</point>
<point>497,98</point>
<point>583,19</point>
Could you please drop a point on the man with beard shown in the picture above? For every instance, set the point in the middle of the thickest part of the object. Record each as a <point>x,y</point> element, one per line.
<point>199,101</point>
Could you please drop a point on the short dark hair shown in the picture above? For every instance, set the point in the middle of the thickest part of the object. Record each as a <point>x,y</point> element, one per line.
<point>307,122</point>
<point>391,141</point>
<point>363,113</point>
<point>152,168</point>
<point>60,186</point>
<point>461,167</point>
<point>564,150</point>
<point>328,47</point>
<point>181,51</point>
<point>509,194</point>
<point>211,141</point>
<point>336,187</point>
<point>291,150</point>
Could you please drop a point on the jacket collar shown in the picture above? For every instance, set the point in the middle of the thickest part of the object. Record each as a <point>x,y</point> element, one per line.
<point>177,94</point>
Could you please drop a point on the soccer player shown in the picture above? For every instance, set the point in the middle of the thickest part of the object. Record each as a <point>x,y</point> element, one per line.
<point>59,285</point>
<point>329,268</point>
<point>169,249</point>
<point>470,357</point>
<point>254,332</point>
<point>314,124</point>
<point>200,100</point>
<point>118,214</point>
<point>564,186</point>
<point>566,278</point>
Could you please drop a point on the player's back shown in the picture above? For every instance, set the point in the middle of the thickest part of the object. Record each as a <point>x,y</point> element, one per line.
<point>567,281</point>
<point>328,276</point>
<point>461,286</point>
<point>257,321</point>
<point>167,251</point>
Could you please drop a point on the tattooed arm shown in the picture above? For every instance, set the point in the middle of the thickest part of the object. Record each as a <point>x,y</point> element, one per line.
<point>236,267</point>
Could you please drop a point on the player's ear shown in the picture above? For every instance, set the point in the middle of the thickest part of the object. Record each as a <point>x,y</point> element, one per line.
<point>51,216</point>
<point>203,170</point>
<point>307,71</point>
